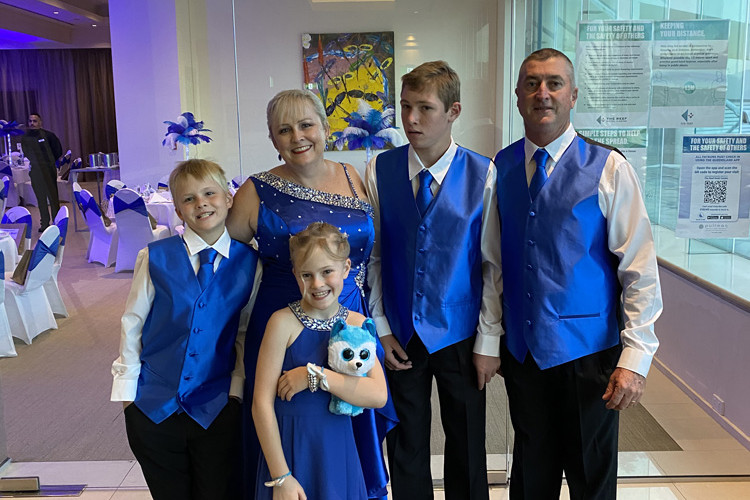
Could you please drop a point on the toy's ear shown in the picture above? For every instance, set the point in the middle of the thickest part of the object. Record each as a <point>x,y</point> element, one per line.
<point>369,325</point>
<point>339,325</point>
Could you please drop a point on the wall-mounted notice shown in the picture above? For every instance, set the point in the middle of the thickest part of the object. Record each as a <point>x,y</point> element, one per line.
<point>689,73</point>
<point>714,197</point>
<point>631,142</point>
<point>613,72</point>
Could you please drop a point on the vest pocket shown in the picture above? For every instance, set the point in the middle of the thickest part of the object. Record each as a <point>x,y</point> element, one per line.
<point>578,316</point>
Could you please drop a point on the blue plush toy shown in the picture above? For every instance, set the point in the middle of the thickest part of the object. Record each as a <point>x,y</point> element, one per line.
<point>351,351</point>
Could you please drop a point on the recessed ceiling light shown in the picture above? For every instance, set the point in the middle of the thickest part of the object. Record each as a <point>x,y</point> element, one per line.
<point>56,12</point>
<point>93,25</point>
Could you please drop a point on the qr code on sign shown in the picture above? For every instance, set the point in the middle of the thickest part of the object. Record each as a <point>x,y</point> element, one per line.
<point>715,192</point>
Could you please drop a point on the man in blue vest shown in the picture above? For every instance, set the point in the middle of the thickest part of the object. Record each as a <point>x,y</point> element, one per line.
<point>581,291</point>
<point>435,286</point>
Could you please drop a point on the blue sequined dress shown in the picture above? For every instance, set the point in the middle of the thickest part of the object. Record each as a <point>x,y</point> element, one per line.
<point>318,445</point>
<point>287,208</point>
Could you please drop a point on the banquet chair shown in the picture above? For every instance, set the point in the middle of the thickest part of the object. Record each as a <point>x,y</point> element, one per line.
<point>51,287</point>
<point>102,239</point>
<point>20,215</point>
<point>163,183</point>
<point>112,187</point>
<point>63,193</point>
<point>4,187</point>
<point>134,228</point>
<point>7,349</point>
<point>238,181</point>
<point>12,198</point>
<point>29,312</point>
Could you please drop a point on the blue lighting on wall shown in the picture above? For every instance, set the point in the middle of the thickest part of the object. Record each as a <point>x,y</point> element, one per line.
<point>15,40</point>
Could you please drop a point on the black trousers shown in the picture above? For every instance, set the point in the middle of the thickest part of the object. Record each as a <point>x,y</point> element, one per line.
<point>44,183</point>
<point>181,459</point>
<point>561,424</point>
<point>462,411</point>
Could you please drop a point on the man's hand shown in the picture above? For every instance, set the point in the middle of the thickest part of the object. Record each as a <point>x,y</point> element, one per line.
<point>395,357</point>
<point>487,367</point>
<point>625,389</point>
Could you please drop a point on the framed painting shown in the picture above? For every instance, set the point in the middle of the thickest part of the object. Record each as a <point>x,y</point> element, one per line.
<point>347,70</point>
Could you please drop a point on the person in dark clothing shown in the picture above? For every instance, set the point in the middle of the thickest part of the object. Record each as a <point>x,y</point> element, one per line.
<point>42,148</point>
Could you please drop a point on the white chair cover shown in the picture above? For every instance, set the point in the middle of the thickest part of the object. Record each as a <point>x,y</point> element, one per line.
<point>51,287</point>
<point>29,312</point>
<point>7,349</point>
<point>20,215</point>
<point>102,239</point>
<point>134,228</point>
<point>12,197</point>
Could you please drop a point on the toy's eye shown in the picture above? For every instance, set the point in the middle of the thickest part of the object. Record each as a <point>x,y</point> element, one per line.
<point>347,354</point>
<point>364,354</point>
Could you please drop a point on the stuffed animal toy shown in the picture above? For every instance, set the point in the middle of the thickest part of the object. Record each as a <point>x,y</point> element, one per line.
<point>351,351</point>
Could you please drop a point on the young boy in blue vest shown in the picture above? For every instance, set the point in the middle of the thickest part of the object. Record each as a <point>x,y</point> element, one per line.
<point>180,373</point>
<point>435,280</point>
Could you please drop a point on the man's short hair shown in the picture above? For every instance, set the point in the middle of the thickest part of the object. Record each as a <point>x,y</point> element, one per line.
<point>197,169</point>
<point>435,75</point>
<point>549,53</point>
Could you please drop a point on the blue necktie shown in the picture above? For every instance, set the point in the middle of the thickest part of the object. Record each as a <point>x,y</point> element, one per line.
<point>540,176</point>
<point>424,193</point>
<point>206,270</point>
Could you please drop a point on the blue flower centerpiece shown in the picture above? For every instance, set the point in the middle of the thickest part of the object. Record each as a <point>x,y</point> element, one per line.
<point>8,129</point>
<point>368,128</point>
<point>186,131</point>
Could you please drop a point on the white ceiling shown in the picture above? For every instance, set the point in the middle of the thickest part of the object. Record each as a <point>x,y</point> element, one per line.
<point>44,24</point>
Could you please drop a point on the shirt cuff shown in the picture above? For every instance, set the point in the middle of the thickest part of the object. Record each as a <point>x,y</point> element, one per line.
<point>635,360</point>
<point>124,390</point>
<point>487,345</point>
<point>382,326</point>
<point>236,386</point>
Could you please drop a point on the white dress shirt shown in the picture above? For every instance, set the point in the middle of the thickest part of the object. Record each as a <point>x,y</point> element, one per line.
<point>127,367</point>
<point>629,238</point>
<point>490,328</point>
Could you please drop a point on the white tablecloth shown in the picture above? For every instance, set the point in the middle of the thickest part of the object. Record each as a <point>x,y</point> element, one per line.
<point>10,251</point>
<point>164,214</point>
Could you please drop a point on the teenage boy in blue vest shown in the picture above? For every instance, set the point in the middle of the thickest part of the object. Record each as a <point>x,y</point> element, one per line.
<point>435,280</point>
<point>180,373</point>
<point>581,291</point>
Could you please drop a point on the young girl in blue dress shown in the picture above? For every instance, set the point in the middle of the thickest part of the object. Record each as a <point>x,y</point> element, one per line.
<point>310,452</point>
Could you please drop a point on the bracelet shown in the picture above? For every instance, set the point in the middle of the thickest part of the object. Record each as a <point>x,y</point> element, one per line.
<point>312,382</point>
<point>278,481</point>
<point>314,371</point>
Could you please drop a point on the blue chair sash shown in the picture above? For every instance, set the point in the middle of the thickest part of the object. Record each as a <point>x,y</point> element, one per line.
<point>109,191</point>
<point>4,190</point>
<point>62,225</point>
<point>161,185</point>
<point>40,251</point>
<point>2,265</point>
<point>26,219</point>
<point>137,206</point>
<point>7,171</point>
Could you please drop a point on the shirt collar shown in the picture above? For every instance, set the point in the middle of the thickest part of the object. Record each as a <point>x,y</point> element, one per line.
<point>439,170</point>
<point>555,148</point>
<point>195,243</point>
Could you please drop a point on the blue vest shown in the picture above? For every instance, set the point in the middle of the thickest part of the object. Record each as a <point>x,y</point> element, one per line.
<point>561,295</point>
<point>188,338</point>
<point>432,266</point>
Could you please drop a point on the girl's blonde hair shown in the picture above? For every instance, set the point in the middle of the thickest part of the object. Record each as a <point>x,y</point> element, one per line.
<point>318,235</point>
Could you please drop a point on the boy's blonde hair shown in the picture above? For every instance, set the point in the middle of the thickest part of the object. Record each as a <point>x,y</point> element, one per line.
<point>435,75</point>
<point>318,235</point>
<point>197,169</point>
<point>289,101</point>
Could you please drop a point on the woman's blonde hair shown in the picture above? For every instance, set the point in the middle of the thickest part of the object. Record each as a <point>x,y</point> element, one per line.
<point>318,235</point>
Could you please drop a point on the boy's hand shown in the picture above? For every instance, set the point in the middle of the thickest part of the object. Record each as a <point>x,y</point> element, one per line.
<point>292,382</point>
<point>395,356</point>
<point>487,367</point>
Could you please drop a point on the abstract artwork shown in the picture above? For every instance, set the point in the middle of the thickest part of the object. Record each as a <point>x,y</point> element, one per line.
<point>345,68</point>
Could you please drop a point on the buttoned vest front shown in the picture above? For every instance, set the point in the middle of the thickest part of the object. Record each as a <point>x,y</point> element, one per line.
<point>188,338</point>
<point>561,295</point>
<point>432,267</point>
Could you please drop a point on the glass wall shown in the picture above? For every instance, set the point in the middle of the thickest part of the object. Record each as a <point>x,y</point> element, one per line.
<point>554,24</point>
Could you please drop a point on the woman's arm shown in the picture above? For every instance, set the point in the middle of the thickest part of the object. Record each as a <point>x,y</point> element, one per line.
<point>242,221</point>
<point>270,361</point>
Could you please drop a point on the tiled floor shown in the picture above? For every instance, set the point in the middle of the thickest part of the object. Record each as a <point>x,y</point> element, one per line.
<point>707,450</point>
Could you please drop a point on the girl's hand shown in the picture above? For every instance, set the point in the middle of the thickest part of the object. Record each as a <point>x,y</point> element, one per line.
<point>292,382</point>
<point>290,489</point>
